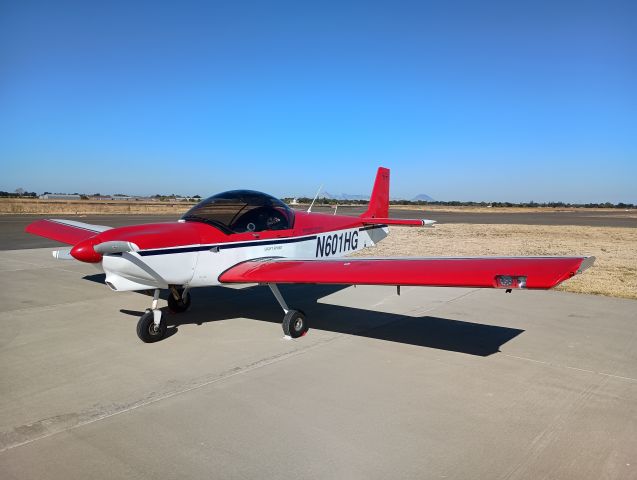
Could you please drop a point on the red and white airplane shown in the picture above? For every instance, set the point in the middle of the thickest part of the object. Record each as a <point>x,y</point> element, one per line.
<point>246,237</point>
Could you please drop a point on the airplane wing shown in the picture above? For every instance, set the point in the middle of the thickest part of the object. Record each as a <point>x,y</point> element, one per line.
<point>65,231</point>
<point>485,272</point>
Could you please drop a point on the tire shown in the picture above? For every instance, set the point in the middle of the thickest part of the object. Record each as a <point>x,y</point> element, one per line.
<point>146,330</point>
<point>181,305</point>
<point>295,324</point>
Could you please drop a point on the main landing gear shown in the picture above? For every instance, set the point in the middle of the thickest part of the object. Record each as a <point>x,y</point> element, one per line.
<point>151,326</point>
<point>178,299</point>
<point>294,322</point>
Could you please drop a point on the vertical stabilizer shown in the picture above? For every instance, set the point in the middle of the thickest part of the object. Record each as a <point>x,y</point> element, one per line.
<point>379,201</point>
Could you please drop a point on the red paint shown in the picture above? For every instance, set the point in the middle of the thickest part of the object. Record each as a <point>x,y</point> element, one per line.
<point>310,223</point>
<point>84,251</point>
<point>379,201</point>
<point>541,272</point>
<point>163,235</point>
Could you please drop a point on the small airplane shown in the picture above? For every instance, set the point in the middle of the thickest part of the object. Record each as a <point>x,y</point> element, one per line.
<point>248,237</point>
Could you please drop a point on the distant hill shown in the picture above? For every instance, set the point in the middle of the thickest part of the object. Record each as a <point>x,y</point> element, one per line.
<point>422,197</point>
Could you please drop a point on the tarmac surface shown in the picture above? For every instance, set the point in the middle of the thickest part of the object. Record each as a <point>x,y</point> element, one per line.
<point>12,226</point>
<point>435,383</point>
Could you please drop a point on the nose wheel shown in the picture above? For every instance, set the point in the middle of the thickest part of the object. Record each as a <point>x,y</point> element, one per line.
<point>151,326</point>
<point>148,330</point>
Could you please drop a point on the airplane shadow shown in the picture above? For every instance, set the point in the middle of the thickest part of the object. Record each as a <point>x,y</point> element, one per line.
<point>214,304</point>
<point>96,278</point>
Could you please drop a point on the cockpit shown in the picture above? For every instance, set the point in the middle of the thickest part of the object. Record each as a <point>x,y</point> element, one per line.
<point>239,211</point>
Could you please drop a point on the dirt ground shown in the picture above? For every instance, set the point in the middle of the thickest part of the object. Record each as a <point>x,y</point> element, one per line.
<point>614,272</point>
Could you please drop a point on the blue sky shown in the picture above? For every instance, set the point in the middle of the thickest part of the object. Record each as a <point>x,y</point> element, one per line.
<point>503,101</point>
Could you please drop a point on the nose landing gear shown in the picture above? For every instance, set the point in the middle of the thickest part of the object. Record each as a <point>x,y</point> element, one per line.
<point>151,327</point>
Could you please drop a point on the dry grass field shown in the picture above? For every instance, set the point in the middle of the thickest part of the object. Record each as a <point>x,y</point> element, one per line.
<point>614,272</point>
<point>88,207</point>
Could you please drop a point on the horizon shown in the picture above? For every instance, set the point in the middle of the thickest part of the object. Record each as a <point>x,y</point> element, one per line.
<point>326,196</point>
<point>480,102</point>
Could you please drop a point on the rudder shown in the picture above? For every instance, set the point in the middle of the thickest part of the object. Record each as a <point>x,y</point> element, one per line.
<point>379,201</point>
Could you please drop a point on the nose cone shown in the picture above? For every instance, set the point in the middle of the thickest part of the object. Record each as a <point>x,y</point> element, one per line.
<point>84,252</point>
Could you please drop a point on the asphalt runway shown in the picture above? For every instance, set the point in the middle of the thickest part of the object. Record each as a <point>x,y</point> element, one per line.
<point>12,234</point>
<point>435,383</point>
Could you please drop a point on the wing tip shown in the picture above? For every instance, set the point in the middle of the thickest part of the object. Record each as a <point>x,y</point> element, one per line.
<point>587,262</point>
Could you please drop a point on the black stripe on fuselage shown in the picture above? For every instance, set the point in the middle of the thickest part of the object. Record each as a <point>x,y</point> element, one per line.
<point>227,246</point>
<point>223,246</point>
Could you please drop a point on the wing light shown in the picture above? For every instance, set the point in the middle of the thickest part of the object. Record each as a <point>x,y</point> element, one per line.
<point>510,281</point>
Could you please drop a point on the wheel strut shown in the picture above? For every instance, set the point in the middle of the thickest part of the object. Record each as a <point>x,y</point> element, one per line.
<point>279,298</point>
<point>153,307</point>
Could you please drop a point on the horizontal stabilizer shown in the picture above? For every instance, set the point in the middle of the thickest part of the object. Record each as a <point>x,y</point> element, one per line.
<point>477,272</point>
<point>407,222</point>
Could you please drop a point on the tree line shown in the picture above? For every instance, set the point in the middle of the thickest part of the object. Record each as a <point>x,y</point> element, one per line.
<point>456,203</point>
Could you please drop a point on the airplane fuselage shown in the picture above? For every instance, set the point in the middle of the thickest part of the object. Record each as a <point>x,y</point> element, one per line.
<point>200,253</point>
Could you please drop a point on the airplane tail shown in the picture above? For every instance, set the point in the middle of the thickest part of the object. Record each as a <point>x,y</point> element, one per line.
<point>379,201</point>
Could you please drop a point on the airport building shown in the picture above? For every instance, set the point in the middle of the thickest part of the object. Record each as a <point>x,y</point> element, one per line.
<point>59,196</point>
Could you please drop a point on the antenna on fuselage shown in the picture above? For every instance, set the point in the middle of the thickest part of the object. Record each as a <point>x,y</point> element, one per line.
<point>315,197</point>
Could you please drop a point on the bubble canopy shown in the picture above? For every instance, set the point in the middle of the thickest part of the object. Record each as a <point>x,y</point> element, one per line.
<point>239,211</point>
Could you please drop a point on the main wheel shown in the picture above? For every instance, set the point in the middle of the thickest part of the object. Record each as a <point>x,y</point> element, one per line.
<point>181,305</point>
<point>147,331</point>
<point>295,324</point>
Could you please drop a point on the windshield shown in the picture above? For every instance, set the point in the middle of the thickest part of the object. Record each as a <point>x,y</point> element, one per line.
<point>239,211</point>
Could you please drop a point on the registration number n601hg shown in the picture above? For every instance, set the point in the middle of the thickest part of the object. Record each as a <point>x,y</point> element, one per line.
<point>336,243</point>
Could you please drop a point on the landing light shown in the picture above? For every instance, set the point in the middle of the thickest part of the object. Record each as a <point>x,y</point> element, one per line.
<point>510,281</point>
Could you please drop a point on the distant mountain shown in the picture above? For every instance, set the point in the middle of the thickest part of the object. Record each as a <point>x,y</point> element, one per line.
<point>422,197</point>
